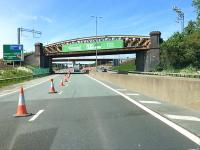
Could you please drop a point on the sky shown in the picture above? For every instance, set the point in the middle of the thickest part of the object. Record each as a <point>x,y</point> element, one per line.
<point>66,19</point>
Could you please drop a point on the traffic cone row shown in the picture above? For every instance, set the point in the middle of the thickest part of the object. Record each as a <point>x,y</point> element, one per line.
<point>61,83</point>
<point>66,78</point>
<point>21,108</point>
<point>69,74</point>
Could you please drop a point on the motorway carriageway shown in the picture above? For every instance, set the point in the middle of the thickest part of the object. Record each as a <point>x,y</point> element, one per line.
<point>86,114</point>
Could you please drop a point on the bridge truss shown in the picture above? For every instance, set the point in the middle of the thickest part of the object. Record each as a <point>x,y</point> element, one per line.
<point>131,43</point>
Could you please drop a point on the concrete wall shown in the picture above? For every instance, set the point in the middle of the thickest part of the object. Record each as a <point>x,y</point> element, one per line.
<point>179,91</point>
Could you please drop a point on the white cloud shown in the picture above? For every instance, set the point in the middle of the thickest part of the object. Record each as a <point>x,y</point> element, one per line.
<point>47,19</point>
<point>28,17</point>
<point>35,18</point>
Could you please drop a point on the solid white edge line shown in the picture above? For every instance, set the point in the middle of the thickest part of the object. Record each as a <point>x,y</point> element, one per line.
<point>178,128</point>
<point>36,115</point>
<point>26,87</point>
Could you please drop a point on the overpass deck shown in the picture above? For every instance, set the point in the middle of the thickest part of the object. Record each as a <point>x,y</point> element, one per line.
<point>101,52</point>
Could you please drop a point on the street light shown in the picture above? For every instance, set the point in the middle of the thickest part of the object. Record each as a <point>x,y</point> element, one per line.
<point>96,17</point>
<point>180,17</point>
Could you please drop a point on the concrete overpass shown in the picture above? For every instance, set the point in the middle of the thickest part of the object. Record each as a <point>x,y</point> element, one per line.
<point>147,49</point>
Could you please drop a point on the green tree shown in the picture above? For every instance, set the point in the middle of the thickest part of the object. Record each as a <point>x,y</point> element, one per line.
<point>183,49</point>
<point>191,27</point>
<point>196,4</point>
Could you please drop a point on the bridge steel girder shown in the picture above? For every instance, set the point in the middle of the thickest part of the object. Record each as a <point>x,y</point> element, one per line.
<point>129,41</point>
<point>101,52</point>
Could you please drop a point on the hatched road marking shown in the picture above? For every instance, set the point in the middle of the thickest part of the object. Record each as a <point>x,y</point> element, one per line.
<point>150,102</point>
<point>178,128</point>
<point>187,118</point>
<point>36,115</point>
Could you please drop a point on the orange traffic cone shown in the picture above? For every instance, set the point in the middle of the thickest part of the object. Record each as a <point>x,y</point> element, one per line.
<point>21,108</point>
<point>66,78</point>
<point>61,83</point>
<point>52,89</point>
<point>69,74</point>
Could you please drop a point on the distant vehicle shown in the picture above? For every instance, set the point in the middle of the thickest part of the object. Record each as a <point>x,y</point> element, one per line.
<point>104,70</point>
<point>77,68</point>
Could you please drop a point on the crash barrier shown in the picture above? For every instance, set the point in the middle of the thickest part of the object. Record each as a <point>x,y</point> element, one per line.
<point>179,91</point>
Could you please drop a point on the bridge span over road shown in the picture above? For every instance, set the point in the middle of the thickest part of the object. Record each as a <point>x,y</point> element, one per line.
<point>146,48</point>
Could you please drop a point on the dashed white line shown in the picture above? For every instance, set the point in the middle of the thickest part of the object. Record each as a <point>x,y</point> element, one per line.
<point>132,94</point>
<point>178,128</point>
<point>60,92</point>
<point>36,115</point>
<point>187,118</point>
<point>121,89</point>
<point>150,102</point>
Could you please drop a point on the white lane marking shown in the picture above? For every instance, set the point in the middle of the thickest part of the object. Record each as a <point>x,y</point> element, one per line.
<point>60,92</point>
<point>36,115</point>
<point>178,128</point>
<point>26,87</point>
<point>121,89</point>
<point>150,102</point>
<point>132,94</point>
<point>187,118</point>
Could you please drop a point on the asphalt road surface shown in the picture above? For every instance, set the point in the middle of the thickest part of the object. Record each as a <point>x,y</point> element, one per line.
<point>83,115</point>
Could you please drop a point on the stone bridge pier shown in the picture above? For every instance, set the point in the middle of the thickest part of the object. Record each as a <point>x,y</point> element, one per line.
<point>148,60</point>
<point>42,60</point>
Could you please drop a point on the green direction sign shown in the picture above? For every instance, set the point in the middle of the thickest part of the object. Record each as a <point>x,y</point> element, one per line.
<point>13,52</point>
<point>92,46</point>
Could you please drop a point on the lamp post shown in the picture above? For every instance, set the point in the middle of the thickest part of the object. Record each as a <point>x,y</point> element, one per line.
<point>96,19</point>
<point>180,17</point>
